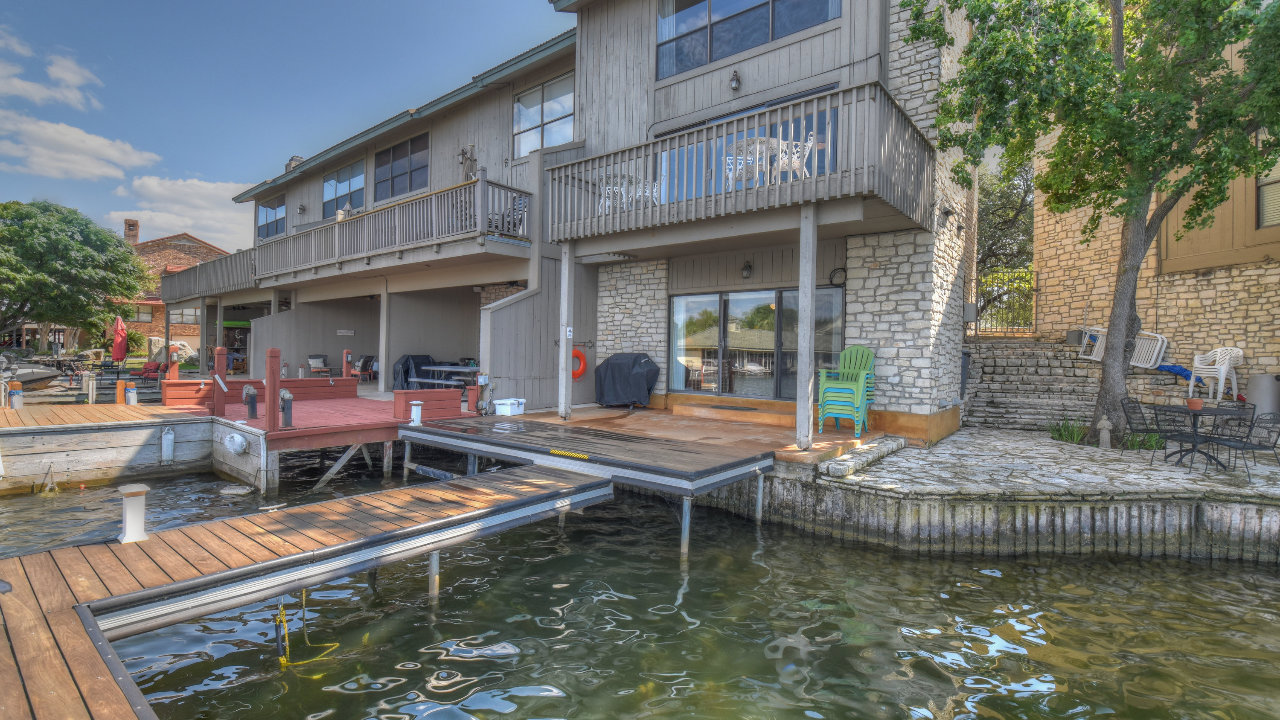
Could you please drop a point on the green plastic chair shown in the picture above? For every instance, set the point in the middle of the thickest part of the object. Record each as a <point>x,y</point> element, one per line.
<point>847,391</point>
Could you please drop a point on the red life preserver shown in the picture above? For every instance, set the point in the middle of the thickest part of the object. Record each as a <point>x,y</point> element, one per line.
<point>581,368</point>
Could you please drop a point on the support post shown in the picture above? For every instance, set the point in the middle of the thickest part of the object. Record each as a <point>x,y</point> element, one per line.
<point>346,363</point>
<point>384,340</point>
<point>337,467</point>
<point>219,371</point>
<point>387,448</point>
<point>368,461</point>
<point>566,329</point>
<point>408,451</point>
<point>204,336</point>
<point>686,512</point>
<point>805,330</point>
<point>168,335</point>
<point>271,403</point>
<point>171,372</point>
<point>219,334</point>
<point>472,463</point>
<point>133,528</point>
<point>759,497</point>
<point>433,579</point>
<point>120,392</point>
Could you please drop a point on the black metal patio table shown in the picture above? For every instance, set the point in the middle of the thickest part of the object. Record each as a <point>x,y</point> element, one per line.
<point>1199,440</point>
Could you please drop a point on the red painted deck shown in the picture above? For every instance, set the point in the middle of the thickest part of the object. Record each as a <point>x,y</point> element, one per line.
<point>327,423</point>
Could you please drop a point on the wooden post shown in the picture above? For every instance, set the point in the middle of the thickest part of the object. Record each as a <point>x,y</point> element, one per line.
<point>220,370</point>
<point>805,330</point>
<point>271,404</point>
<point>566,329</point>
<point>171,373</point>
<point>346,363</point>
<point>384,340</point>
<point>204,336</point>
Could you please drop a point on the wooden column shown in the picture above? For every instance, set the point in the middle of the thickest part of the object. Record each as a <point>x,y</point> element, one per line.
<point>204,336</point>
<point>171,372</point>
<point>219,334</point>
<point>805,329</point>
<point>565,372</point>
<point>384,341</point>
<point>219,370</point>
<point>346,363</point>
<point>271,403</point>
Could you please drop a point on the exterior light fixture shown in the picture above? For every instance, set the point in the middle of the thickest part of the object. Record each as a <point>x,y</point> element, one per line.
<point>735,82</point>
<point>301,208</point>
<point>946,212</point>
<point>746,270</point>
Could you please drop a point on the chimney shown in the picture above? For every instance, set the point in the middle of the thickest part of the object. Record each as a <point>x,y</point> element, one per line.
<point>131,231</point>
<point>294,162</point>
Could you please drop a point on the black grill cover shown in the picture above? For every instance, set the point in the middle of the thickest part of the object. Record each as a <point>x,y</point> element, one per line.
<point>626,379</point>
<point>407,367</point>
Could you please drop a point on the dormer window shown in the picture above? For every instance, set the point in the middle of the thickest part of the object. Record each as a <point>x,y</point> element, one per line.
<point>692,33</point>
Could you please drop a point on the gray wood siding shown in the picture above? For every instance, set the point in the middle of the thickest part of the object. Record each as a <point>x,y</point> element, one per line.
<point>312,329</point>
<point>519,334</point>
<point>771,268</point>
<point>616,54</point>
<point>444,324</point>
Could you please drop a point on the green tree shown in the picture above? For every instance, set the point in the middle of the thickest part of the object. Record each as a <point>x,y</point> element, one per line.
<point>1136,105</point>
<point>761,317</point>
<point>1005,219</point>
<point>57,266</point>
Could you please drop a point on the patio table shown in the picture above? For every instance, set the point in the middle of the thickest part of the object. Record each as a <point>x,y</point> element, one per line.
<point>1197,439</point>
<point>456,369</point>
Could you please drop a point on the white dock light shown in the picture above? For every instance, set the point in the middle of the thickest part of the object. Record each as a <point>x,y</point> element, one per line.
<point>415,413</point>
<point>134,528</point>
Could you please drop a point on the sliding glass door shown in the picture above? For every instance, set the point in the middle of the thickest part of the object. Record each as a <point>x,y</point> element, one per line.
<point>743,344</point>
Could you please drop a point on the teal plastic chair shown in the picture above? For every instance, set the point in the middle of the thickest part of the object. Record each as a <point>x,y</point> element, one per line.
<point>847,391</point>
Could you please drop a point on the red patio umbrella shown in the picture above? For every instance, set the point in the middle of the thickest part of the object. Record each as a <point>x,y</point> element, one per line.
<point>121,344</point>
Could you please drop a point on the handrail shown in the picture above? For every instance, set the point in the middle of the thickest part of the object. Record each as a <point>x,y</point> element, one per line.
<point>212,277</point>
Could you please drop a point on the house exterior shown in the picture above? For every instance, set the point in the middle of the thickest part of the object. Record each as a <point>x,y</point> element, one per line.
<point>740,195</point>
<point>166,256</point>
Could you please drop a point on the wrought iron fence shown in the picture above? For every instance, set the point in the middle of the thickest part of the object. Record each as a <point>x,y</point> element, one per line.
<point>1006,301</point>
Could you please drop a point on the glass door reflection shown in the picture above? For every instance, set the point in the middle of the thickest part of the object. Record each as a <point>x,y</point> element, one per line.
<point>695,343</point>
<point>749,341</point>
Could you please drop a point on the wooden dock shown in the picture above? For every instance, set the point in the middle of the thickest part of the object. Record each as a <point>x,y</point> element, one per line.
<point>681,467</point>
<point>56,415</point>
<point>56,662</point>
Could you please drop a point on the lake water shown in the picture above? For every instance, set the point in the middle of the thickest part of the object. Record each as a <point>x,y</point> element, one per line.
<point>596,620</point>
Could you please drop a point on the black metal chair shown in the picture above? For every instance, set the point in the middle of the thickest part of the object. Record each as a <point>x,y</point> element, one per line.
<point>1265,436</point>
<point>1174,426</point>
<point>1136,421</point>
<point>1233,432</point>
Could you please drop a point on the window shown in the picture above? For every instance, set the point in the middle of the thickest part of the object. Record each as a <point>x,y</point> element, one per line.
<point>695,32</point>
<point>141,313</point>
<point>271,218</point>
<point>544,116</point>
<point>1269,198</point>
<point>343,188</point>
<point>186,316</point>
<point>400,169</point>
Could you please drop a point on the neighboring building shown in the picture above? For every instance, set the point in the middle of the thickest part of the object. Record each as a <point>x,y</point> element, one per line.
<point>166,256</point>
<point>658,180</point>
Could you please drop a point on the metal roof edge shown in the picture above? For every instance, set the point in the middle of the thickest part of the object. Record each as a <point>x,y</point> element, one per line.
<point>478,84</point>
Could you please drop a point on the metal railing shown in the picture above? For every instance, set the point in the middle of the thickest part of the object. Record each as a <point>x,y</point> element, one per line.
<point>436,217</point>
<point>839,144</point>
<point>1006,302</point>
<point>212,277</point>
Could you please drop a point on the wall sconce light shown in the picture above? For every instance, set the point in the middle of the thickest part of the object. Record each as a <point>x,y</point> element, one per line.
<point>946,212</point>
<point>301,208</point>
<point>746,270</point>
<point>735,82</point>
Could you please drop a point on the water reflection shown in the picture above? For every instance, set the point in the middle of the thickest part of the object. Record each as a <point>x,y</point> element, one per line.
<point>597,621</point>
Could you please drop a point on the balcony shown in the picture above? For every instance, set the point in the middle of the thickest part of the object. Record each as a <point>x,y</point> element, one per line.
<point>214,277</point>
<point>844,144</point>
<point>478,209</point>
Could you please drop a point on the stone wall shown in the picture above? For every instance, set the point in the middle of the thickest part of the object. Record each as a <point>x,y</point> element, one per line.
<point>631,314</point>
<point>490,294</point>
<point>1197,310</point>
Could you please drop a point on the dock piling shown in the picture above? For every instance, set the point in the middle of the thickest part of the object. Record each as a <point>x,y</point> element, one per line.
<point>433,580</point>
<point>686,512</point>
<point>387,449</point>
<point>368,461</point>
<point>286,409</point>
<point>408,451</point>
<point>759,497</point>
<point>15,395</point>
<point>415,413</point>
<point>473,463</point>
<point>134,526</point>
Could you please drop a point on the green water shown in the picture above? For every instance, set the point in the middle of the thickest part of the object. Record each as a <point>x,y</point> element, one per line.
<point>597,621</point>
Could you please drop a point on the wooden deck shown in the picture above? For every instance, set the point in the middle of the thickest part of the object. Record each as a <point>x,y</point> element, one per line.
<point>56,662</point>
<point>53,414</point>
<point>684,467</point>
<point>326,423</point>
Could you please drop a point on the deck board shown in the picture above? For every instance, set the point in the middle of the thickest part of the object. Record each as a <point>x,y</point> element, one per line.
<point>52,665</point>
<point>55,415</point>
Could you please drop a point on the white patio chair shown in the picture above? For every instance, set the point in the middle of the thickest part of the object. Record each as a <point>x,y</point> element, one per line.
<point>1216,366</point>
<point>793,158</point>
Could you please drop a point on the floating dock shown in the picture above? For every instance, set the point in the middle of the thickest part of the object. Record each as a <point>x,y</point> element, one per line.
<point>63,606</point>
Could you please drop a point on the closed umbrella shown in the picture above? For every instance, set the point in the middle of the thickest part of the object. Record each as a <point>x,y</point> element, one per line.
<point>121,344</point>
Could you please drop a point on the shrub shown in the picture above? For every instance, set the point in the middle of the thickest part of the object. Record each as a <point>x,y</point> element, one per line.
<point>1068,430</point>
<point>1143,441</point>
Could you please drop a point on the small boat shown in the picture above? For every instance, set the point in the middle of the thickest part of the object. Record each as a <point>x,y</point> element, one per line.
<point>32,376</point>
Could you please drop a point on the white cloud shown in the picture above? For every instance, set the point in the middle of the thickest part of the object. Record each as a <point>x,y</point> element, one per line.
<point>170,206</point>
<point>12,43</point>
<point>120,191</point>
<point>58,150</point>
<point>68,81</point>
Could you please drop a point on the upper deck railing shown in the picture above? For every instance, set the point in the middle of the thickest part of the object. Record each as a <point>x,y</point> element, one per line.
<point>212,277</point>
<point>840,144</point>
<point>467,209</point>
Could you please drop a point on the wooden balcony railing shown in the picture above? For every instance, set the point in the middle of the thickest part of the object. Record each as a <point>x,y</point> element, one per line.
<point>213,277</point>
<point>841,144</point>
<point>468,209</point>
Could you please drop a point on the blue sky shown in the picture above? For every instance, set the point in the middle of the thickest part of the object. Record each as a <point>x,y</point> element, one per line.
<point>161,111</point>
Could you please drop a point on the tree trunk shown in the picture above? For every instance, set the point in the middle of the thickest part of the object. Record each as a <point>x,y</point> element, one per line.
<point>1123,325</point>
<point>72,340</point>
<point>44,329</point>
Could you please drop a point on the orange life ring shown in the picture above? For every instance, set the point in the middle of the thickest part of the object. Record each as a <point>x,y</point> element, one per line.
<point>581,368</point>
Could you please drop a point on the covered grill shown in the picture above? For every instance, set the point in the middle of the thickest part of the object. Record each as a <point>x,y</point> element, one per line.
<point>626,379</point>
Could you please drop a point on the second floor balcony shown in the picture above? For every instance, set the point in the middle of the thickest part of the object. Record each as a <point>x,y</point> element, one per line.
<point>475,210</point>
<point>212,277</point>
<point>842,144</point>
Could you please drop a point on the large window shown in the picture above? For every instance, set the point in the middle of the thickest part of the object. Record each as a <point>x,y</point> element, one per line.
<point>344,188</point>
<point>1269,198</point>
<point>695,32</point>
<point>271,217</point>
<point>745,343</point>
<point>185,316</point>
<point>140,313</point>
<point>544,116</point>
<point>401,169</point>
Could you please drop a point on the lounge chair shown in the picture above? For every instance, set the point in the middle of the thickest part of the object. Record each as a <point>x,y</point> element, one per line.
<point>319,365</point>
<point>363,367</point>
<point>148,367</point>
<point>848,391</point>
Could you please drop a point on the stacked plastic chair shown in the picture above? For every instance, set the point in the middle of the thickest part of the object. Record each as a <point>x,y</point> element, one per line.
<point>847,392</point>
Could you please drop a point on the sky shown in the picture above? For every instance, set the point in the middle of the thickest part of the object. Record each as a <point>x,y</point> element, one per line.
<point>162,111</point>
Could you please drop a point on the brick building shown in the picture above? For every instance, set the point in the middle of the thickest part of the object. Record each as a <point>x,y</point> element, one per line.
<point>165,256</point>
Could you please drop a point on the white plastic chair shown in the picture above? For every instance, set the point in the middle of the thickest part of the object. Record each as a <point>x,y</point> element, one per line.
<point>1216,366</point>
<point>1148,348</point>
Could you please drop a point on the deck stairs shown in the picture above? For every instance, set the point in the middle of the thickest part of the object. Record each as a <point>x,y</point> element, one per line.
<point>862,457</point>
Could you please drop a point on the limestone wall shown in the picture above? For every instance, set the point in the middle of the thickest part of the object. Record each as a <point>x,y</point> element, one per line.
<point>631,314</point>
